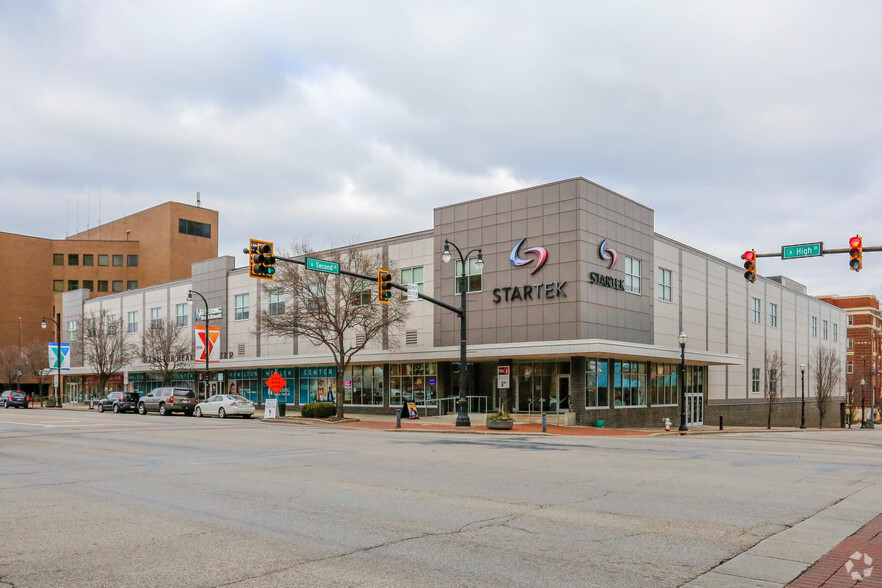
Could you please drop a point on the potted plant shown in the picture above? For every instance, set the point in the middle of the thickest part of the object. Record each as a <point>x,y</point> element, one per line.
<point>500,420</point>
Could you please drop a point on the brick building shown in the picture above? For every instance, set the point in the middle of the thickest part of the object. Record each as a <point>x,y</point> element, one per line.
<point>864,346</point>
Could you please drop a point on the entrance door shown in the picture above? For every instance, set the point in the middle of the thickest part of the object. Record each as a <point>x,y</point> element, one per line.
<point>694,408</point>
<point>563,393</point>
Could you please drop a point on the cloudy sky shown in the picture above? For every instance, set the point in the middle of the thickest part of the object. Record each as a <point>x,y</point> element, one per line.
<point>749,124</point>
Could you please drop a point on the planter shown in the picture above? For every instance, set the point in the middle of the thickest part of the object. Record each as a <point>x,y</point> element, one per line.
<point>500,425</point>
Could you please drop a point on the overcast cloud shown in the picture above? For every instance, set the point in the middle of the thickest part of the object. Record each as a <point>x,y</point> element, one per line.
<point>355,119</point>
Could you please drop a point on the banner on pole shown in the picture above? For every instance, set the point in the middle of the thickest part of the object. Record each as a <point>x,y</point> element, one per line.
<point>213,344</point>
<point>55,357</point>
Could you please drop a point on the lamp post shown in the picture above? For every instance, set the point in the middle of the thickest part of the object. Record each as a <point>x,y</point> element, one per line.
<point>681,378</point>
<point>58,358</point>
<point>863,394</point>
<point>462,417</point>
<point>802,383</point>
<point>207,349</point>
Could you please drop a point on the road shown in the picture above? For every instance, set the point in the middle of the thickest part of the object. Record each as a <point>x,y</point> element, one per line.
<point>127,500</point>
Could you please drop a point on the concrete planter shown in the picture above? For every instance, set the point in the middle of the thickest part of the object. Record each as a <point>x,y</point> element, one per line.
<point>500,425</point>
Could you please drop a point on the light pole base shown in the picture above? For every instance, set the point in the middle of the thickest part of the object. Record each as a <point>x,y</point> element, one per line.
<point>462,420</point>
<point>683,429</point>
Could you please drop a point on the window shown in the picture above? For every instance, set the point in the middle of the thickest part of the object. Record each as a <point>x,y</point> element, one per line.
<point>755,380</point>
<point>58,259</point>
<point>112,324</point>
<point>188,227</point>
<point>474,273</point>
<point>412,275</point>
<point>664,284</point>
<point>850,321</point>
<point>132,285</point>
<point>73,285</point>
<point>850,343</point>
<point>814,326</point>
<point>596,384</point>
<point>117,260</point>
<point>58,285</point>
<point>181,313</point>
<point>316,296</point>
<point>156,317</point>
<point>756,310</point>
<point>117,286</point>
<point>277,302</point>
<point>630,383</point>
<point>89,285</point>
<point>849,367</point>
<point>632,275</point>
<point>133,321</point>
<point>773,315</point>
<point>414,382</point>
<point>132,260</point>
<point>73,259</point>
<point>663,384</point>
<point>103,259</point>
<point>102,285</point>
<point>71,330</point>
<point>88,259</point>
<point>367,385</point>
<point>362,293</point>
<point>242,307</point>
<point>773,380</point>
<point>824,330</point>
<point>835,331</point>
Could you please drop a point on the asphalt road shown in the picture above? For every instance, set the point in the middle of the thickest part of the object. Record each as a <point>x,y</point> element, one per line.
<point>126,500</point>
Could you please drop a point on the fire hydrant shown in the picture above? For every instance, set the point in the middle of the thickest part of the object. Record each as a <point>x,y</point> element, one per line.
<point>667,424</point>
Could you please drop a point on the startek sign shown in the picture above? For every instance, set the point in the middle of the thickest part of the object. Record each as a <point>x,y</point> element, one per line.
<point>540,291</point>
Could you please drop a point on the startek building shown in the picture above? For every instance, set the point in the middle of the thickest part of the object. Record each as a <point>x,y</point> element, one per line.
<point>578,299</point>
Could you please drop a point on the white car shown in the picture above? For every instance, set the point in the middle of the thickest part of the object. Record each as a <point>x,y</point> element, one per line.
<point>224,405</point>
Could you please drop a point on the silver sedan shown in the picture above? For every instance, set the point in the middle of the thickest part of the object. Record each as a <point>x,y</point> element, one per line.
<point>224,405</point>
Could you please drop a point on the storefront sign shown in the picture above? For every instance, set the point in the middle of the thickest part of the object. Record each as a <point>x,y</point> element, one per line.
<point>329,371</point>
<point>270,407</point>
<point>607,281</point>
<point>503,377</point>
<point>529,291</point>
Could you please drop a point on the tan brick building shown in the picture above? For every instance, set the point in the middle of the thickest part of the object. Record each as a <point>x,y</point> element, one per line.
<point>150,247</point>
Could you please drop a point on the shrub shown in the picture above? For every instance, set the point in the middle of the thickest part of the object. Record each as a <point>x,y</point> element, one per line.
<point>318,410</point>
<point>499,415</point>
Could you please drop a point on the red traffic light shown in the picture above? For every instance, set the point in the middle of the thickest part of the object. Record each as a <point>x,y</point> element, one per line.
<point>749,258</point>
<point>749,255</point>
<point>854,242</point>
<point>856,253</point>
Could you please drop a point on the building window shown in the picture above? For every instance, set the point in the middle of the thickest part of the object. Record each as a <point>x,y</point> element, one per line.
<point>814,326</point>
<point>156,317</point>
<point>366,385</point>
<point>117,286</point>
<point>117,260</point>
<point>103,259</point>
<point>665,289</point>
<point>73,259</point>
<point>756,310</point>
<point>850,321</point>
<point>850,343</point>
<point>132,260</point>
<point>102,285</point>
<point>824,330</point>
<point>629,383</point>
<point>362,293</point>
<point>316,296</point>
<point>73,285</point>
<point>412,382</point>
<point>197,229</point>
<point>412,275</point>
<point>111,324</point>
<point>773,315</point>
<point>133,321</point>
<point>88,259</point>
<point>632,275</point>
<point>58,285</point>
<point>58,259</point>
<point>89,285</point>
<point>474,273</point>
<point>755,380</point>
<point>242,307</point>
<point>849,367</point>
<point>132,285</point>
<point>835,332</point>
<point>71,330</point>
<point>597,384</point>
<point>182,311</point>
<point>277,302</point>
<point>773,380</point>
<point>663,384</point>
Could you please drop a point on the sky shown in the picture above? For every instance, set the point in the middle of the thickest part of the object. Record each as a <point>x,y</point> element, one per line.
<point>744,125</point>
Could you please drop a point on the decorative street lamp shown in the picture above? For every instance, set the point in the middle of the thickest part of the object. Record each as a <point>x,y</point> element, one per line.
<point>863,395</point>
<point>682,379</point>
<point>57,322</point>
<point>802,382</point>
<point>462,417</point>
<point>207,368</point>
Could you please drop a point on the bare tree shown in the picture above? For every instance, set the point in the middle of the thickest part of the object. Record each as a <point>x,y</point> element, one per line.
<point>827,373</point>
<point>852,383</point>
<point>104,346</point>
<point>337,312</point>
<point>36,357</point>
<point>12,365</point>
<point>164,349</point>
<point>774,375</point>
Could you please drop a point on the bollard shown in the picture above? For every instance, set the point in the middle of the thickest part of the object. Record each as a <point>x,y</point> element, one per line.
<point>91,403</point>
<point>543,423</point>
<point>398,419</point>
<point>721,422</point>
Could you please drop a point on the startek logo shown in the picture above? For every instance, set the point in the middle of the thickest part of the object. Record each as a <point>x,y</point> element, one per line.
<point>541,256</point>
<point>608,254</point>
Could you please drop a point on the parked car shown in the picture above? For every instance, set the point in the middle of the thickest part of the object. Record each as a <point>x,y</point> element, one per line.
<point>15,398</point>
<point>225,404</point>
<point>168,400</point>
<point>119,402</point>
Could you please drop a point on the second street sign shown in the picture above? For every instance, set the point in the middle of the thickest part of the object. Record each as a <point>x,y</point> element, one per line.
<point>804,250</point>
<point>318,265</point>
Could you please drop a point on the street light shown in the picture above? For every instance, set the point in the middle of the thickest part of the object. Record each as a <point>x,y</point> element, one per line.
<point>863,394</point>
<point>58,357</point>
<point>462,417</point>
<point>190,300</point>
<point>682,379</point>
<point>802,382</point>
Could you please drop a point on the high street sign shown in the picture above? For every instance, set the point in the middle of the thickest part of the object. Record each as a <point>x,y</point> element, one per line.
<point>804,250</point>
<point>329,267</point>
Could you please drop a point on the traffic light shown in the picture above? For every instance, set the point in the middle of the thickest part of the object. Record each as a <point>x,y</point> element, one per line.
<point>384,286</point>
<point>262,263</point>
<point>856,253</point>
<point>749,258</point>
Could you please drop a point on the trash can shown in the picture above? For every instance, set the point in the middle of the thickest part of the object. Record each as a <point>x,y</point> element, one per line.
<point>282,408</point>
<point>598,423</point>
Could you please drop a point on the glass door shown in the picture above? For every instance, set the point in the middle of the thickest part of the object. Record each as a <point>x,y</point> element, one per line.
<point>694,408</point>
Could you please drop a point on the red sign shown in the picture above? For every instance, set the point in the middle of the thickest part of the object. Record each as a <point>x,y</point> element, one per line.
<point>276,382</point>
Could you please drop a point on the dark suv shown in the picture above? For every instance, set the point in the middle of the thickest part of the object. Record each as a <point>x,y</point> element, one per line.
<point>119,402</point>
<point>168,400</point>
<point>15,398</point>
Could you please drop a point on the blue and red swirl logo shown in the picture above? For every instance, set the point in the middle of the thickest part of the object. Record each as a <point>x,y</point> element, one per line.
<point>517,261</point>
<point>608,254</point>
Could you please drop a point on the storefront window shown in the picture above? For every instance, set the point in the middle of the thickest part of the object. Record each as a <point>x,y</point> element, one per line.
<point>597,384</point>
<point>663,384</point>
<point>317,384</point>
<point>364,385</point>
<point>630,383</point>
<point>413,382</point>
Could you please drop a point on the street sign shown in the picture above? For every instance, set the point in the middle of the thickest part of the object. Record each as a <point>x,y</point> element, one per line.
<point>413,292</point>
<point>503,375</point>
<point>329,267</point>
<point>276,382</point>
<point>804,250</point>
